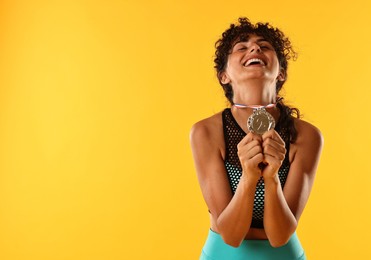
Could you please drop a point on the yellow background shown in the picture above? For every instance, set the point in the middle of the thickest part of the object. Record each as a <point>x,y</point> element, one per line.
<point>96,102</point>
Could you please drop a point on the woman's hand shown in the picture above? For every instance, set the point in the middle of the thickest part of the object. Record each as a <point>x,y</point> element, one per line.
<point>274,152</point>
<point>250,153</point>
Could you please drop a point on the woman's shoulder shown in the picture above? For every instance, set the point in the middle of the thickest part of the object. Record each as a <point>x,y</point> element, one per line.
<point>208,129</point>
<point>309,137</point>
<point>307,131</point>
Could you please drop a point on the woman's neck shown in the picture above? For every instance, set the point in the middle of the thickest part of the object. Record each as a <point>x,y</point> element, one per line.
<point>254,95</point>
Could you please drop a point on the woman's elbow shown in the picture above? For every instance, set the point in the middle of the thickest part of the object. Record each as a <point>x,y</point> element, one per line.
<point>282,240</point>
<point>279,242</point>
<point>232,241</point>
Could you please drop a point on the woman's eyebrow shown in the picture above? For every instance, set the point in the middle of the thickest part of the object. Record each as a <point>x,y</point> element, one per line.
<point>239,41</point>
<point>247,39</point>
<point>259,40</point>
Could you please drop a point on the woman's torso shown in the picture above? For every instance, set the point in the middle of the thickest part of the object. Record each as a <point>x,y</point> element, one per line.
<point>218,132</point>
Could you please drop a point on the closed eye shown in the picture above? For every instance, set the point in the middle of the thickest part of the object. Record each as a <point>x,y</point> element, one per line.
<point>240,46</point>
<point>265,47</point>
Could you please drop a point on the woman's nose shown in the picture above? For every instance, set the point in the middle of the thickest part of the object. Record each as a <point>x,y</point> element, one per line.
<point>255,47</point>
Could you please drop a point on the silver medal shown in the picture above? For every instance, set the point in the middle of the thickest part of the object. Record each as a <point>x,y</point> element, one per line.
<point>260,121</point>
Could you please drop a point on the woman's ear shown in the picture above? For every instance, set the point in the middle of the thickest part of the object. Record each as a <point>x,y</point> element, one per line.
<point>281,75</point>
<point>224,79</point>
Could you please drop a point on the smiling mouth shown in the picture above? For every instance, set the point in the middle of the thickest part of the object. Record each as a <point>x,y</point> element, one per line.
<point>254,61</point>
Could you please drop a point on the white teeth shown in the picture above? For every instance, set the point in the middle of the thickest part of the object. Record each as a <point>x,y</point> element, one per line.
<point>248,62</point>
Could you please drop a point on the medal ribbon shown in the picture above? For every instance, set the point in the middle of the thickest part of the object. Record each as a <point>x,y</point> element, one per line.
<point>257,106</point>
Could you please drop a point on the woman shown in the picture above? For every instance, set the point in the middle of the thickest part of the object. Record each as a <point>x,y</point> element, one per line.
<point>255,161</point>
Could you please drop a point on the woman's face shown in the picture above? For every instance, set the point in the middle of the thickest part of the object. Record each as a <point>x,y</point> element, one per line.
<point>253,59</point>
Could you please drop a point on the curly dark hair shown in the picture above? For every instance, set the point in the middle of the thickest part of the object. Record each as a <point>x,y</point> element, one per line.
<point>282,46</point>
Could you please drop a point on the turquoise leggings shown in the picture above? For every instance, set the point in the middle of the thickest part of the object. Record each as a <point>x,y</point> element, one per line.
<point>216,249</point>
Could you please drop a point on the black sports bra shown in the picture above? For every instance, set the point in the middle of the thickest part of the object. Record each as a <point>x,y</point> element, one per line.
<point>233,134</point>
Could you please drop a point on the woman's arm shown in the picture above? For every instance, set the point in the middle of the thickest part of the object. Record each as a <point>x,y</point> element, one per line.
<point>283,208</point>
<point>230,214</point>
